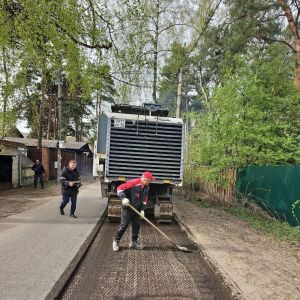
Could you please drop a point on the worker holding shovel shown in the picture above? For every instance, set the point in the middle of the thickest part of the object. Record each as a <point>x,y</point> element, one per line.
<point>134,192</point>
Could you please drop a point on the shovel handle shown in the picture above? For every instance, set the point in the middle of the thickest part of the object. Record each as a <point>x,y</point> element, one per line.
<point>151,224</point>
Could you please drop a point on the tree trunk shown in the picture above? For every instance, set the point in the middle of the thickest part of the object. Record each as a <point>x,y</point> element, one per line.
<point>297,65</point>
<point>178,101</point>
<point>155,61</point>
<point>98,96</point>
<point>98,104</point>
<point>59,101</point>
<point>76,130</point>
<point>154,93</point>
<point>55,120</point>
<point>81,122</point>
<point>5,96</point>
<point>76,116</point>
<point>42,103</point>
<point>49,118</point>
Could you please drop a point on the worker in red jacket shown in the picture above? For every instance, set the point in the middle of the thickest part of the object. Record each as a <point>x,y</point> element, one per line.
<point>136,193</point>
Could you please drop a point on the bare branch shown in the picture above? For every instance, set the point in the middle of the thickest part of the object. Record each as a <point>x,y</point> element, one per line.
<point>84,44</point>
<point>129,83</point>
<point>271,19</point>
<point>233,21</point>
<point>95,46</point>
<point>109,27</point>
<point>176,24</point>
<point>276,41</point>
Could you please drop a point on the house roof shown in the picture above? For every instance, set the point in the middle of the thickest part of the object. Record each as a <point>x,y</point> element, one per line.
<point>14,131</point>
<point>45,143</point>
<point>9,152</point>
<point>10,147</point>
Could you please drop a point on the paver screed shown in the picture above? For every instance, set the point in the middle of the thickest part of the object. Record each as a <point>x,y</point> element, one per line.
<point>159,271</point>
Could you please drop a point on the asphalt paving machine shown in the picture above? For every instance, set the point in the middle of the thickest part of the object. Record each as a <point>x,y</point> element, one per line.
<point>134,139</point>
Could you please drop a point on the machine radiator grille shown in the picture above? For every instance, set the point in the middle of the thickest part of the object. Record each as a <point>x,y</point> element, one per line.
<point>145,146</point>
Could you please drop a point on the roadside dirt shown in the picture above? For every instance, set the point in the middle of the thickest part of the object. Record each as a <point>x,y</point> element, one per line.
<point>15,201</point>
<point>261,266</point>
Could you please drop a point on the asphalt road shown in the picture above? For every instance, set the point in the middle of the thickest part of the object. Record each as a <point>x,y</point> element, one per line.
<point>160,271</point>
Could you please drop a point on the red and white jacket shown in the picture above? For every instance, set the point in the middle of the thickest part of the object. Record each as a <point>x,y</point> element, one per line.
<point>135,191</point>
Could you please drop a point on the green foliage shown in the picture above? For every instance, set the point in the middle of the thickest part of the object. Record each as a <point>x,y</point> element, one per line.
<point>191,94</point>
<point>250,21</point>
<point>10,120</point>
<point>149,37</point>
<point>170,71</point>
<point>295,205</point>
<point>45,37</point>
<point>239,27</point>
<point>192,168</point>
<point>253,117</point>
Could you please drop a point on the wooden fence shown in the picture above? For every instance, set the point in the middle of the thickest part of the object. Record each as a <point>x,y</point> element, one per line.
<point>219,193</point>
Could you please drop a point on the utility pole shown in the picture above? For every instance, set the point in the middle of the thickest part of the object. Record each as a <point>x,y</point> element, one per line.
<point>178,101</point>
<point>59,100</point>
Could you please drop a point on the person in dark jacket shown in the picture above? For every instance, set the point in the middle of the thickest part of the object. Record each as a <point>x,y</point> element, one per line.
<point>136,193</point>
<point>39,172</point>
<point>70,183</point>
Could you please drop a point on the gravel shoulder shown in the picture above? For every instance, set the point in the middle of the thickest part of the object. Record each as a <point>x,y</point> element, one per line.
<point>260,266</point>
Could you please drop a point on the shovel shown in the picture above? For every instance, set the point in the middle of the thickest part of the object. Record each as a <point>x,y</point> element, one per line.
<point>157,229</point>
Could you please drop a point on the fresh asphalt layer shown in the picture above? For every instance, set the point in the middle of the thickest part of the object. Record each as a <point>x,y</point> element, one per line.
<point>159,271</point>
<point>37,245</point>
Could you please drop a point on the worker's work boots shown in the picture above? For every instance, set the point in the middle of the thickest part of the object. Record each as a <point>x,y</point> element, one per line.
<point>116,246</point>
<point>136,245</point>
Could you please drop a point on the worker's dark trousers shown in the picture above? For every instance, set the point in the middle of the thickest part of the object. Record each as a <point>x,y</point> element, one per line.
<point>127,216</point>
<point>40,176</point>
<point>65,201</point>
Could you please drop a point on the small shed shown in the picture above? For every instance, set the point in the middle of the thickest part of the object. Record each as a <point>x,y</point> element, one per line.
<point>6,171</point>
<point>15,167</point>
<point>80,151</point>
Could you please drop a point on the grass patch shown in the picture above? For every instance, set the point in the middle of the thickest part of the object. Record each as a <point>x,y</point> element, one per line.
<point>281,230</point>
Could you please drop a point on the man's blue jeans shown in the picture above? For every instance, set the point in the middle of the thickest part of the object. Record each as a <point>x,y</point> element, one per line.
<point>65,201</point>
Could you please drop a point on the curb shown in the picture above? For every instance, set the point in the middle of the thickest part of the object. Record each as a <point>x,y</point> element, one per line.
<point>236,292</point>
<point>65,277</point>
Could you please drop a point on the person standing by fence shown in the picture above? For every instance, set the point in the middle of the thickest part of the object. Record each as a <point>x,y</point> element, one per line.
<point>39,172</point>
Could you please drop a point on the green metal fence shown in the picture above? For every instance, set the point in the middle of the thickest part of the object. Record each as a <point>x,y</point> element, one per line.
<point>275,186</point>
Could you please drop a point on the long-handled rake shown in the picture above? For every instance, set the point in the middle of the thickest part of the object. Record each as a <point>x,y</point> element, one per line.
<point>157,229</point>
